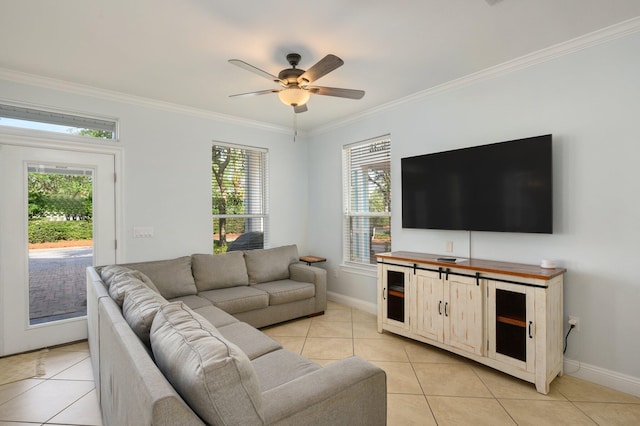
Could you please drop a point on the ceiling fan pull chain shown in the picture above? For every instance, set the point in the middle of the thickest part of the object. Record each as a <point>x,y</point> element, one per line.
<point>295,127</point>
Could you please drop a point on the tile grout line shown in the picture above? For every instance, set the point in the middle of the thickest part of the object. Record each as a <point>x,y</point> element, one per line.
<point>68,406</point>
<point>424,395</point>
<point>494,396</point>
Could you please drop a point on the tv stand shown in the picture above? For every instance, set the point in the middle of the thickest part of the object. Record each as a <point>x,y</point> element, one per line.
<point>507,316</point>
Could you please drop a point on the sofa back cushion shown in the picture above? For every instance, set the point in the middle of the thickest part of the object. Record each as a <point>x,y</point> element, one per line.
<point>111,273</point>
<point>214,271</point>
<point>211,374</point>
<point>139,309</point>
<point>270,264</point>
<point>172,277</point>
<point>121,286</point>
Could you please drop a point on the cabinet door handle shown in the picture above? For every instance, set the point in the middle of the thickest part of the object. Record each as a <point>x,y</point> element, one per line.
<point>384,294</point>
<point>440,307</point>
<point>446,305</point>
<point>530,325</point>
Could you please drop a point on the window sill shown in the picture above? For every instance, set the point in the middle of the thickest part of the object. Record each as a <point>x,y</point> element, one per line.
<point>366,270</point>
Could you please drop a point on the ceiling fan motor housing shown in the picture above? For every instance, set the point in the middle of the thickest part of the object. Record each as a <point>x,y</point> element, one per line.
<point>290,75</point>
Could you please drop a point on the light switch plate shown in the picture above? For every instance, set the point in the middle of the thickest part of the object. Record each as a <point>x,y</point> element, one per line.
<point>142,232</point>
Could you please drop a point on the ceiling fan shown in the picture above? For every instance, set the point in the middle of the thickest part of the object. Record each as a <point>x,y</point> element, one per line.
<point>296,83</point>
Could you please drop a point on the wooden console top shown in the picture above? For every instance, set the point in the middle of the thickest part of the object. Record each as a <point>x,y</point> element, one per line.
<point>491,266</point>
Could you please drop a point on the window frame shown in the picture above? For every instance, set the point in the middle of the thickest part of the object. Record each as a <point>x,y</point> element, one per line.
<point>262,187</point>
<point>351,212</point>
<point>59,122</point>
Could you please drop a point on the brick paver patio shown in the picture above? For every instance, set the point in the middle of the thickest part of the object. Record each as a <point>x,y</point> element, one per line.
<point>57,283</point>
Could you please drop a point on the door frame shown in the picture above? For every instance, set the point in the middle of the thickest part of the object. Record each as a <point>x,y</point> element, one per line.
<point>92,147</point>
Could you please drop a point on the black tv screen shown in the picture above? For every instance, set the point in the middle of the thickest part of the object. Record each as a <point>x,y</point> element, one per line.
<point>503,187</point>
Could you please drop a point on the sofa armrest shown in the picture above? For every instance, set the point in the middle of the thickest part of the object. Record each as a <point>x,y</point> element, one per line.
<point>314,275</point>
<point>307,274</point>
<point>346,392</point>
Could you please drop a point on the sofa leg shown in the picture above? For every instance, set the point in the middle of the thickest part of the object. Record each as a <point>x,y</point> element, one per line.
<point>317,314</point>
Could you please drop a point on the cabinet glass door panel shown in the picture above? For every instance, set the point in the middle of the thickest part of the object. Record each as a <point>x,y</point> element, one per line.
<point>510,323</point>
<point>395,307</point>
<point>395,295</point>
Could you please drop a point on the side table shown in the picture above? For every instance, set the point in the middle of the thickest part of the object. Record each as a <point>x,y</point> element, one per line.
<point>312,259</point>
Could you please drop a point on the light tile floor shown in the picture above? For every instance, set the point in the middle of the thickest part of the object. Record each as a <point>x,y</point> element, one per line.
<point>425,385</point>
<point>65,395</point>
<point>429,386</point>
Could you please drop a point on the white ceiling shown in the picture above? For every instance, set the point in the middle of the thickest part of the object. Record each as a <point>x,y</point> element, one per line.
<point>177,50</point>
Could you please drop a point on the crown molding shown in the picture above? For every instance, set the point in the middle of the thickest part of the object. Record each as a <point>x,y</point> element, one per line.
<point>601,36</point>
<point>586,41</point>
<point>110,95</point>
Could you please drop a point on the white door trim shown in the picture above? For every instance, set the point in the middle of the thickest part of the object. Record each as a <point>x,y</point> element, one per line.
<point>90,148</point>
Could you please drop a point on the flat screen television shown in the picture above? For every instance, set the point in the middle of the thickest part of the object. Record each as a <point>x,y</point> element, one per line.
<point>501,187</point>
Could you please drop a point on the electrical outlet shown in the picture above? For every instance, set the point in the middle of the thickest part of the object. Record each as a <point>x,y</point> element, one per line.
<point>574,321</point>
<point>449,247</point>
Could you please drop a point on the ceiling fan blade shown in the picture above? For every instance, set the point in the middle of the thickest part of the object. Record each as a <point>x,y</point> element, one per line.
<point>300,108</point>
<point>255,70</point>
<point>261,92</point>
<point>334,91</point>
<point>321,68</point>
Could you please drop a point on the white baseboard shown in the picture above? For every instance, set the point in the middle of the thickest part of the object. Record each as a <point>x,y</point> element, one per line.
<point>601,376</point>
<point>352,302</point>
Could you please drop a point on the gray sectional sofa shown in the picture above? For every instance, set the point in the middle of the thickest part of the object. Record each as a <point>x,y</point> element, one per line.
<point>173,343</point>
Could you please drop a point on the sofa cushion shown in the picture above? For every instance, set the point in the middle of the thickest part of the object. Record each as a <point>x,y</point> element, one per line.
<point>211,374</point>
<point>139,308</point>
<point>216,316</point>
<point>193,301</point>
<point>234,300</point>
<point>172,277</point>
<point>213,271</point>
<point>119,287</point>
<point>287,291</point>
<point>270,264</point>
<point>113,272</point>
<point>251,341</point>
<point>281,366</point>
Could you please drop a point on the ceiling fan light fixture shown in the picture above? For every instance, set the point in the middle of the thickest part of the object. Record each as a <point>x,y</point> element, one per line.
<point>294,96</point>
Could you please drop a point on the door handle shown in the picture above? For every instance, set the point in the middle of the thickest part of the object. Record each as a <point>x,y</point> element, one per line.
<point>384,293</point>
<point>440,307</point>
<point>446,305</point>
<point>530,326</point>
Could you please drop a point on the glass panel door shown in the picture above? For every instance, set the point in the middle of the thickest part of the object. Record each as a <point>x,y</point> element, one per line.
<point>57,216</point>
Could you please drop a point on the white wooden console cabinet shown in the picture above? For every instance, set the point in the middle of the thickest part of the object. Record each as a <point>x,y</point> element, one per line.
<point>504,315</point>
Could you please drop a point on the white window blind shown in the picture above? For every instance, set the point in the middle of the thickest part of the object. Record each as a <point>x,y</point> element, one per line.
<point>239,182</point>
<point>367,200</point>
<point>24,117</point>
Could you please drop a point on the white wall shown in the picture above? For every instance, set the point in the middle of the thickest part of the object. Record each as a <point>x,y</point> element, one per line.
<point>590,101</point>
<point>166,176</point>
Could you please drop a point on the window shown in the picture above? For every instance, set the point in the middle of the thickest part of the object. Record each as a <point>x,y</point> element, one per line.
<point>367,200</point>
<point>239,198</point>
<point>36,119</point>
